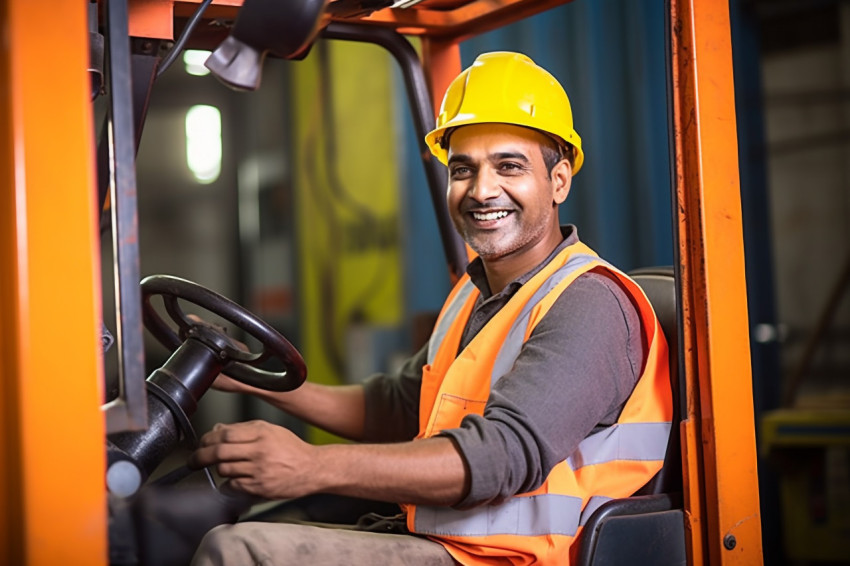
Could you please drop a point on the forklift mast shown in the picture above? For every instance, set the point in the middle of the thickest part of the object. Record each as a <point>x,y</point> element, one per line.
<point>52,424</point>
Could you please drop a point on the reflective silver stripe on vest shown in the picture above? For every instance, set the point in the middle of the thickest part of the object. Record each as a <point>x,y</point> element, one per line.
<point>515,338</point>
<point>550,513</point>
<point>623,441</point>
<point>525,516</point>
<point>448,319</point>
<point>516,335</point>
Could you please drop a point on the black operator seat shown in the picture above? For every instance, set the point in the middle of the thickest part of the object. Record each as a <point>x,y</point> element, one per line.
<point>649,527</point>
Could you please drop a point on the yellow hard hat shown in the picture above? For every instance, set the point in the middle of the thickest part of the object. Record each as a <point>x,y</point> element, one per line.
<point>506,88</point>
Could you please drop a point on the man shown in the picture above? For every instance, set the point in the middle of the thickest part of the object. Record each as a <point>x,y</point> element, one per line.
<point>543,391</point>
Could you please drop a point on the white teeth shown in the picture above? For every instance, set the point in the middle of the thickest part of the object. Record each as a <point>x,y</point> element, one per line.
<point>489,215</point>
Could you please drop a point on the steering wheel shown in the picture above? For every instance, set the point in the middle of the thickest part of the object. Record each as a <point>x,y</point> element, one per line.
<point>240,364</point>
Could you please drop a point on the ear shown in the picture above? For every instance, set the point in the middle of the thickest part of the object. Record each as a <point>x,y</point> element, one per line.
<point>562,178</point>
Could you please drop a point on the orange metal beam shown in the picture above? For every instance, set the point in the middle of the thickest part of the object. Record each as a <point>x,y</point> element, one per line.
<point>441,61</point>
<point>721,485</point>
<point>53,504</point>
<point>462,22</point>
<point>155,18</point>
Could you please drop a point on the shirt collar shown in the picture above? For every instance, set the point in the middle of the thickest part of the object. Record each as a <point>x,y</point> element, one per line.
<point>476,273</point>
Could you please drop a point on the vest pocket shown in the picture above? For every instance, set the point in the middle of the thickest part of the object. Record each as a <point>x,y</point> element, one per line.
<point>450,411</point>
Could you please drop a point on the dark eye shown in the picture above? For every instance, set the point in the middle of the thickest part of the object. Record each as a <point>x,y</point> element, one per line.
<point>461,172</point>
<point>510,167</point>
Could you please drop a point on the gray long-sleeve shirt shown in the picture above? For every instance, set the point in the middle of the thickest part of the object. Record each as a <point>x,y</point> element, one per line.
<point>572,377</point>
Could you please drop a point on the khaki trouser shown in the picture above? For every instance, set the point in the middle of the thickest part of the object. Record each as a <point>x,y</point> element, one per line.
<point>276,544</point>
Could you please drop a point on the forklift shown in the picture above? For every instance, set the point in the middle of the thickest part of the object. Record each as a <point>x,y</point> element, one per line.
<point>75,498</point>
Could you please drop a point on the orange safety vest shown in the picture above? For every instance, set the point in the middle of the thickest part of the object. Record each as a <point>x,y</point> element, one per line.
<point>537,527</point>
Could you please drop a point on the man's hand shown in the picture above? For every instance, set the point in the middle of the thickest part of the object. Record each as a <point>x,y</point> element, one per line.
<point>259,458</point>
<point>269,461</point>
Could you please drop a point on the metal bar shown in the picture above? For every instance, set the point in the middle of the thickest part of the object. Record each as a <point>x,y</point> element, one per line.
<point>129,410</point>
<point>672,148</point>
<point>462,22</point>
<point>154,18</point>
<point>719,437</point>
<point>103,167</point>
<point>144,63</point>
<point>689,432</point>
<point>52,468</point>
<point>441,60</point>
<point>144,67</point>
<point>419,98</point>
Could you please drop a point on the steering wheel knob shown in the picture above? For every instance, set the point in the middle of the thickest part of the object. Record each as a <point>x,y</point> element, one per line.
<point>216,338</point>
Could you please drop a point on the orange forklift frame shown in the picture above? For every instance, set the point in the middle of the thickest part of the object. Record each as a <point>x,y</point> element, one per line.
<point>52,493</point>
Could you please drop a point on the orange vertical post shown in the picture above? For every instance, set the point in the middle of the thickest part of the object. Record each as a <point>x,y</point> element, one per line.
<point>52,496</point>
<point>721,484</point>
<point>441,60</point>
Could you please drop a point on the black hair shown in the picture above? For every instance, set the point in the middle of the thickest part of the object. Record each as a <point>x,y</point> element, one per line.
<point>554,152</point>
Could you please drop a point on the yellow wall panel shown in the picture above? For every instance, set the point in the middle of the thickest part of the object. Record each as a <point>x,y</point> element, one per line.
<point>347,199</point>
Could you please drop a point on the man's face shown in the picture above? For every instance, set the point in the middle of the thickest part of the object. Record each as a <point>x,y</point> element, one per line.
<point>501,197</point>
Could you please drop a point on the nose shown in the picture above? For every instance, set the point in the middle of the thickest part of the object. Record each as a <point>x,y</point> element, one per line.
<point>486,185</point>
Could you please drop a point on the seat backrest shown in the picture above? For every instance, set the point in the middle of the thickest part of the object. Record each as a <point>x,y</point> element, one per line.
<point>659,285</point>
<point>647,528</point>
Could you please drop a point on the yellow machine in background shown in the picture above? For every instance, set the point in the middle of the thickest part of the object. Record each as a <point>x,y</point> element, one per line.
<point>348,214</point>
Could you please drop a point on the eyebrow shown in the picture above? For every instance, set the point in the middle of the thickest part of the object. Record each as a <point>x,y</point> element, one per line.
<point>465,159</point>
<point>459,158</point>
<point>510,155</point>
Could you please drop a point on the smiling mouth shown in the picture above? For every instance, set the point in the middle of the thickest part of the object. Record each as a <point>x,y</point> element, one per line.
<point>487,216</point>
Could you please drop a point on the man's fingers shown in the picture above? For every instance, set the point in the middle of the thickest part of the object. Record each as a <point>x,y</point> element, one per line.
<point>240,469</point>
<point>231,433</point>
<point>220,452</point>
